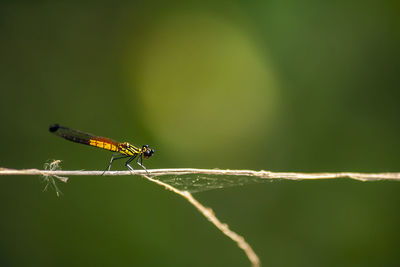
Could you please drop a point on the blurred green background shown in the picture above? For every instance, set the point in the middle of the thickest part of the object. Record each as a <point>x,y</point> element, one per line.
<point>274,85</point>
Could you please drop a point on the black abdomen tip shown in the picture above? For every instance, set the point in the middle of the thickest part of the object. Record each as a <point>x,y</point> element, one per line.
<point>54,127</point>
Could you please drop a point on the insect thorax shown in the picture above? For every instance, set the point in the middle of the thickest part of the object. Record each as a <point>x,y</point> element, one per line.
<point>128,149</point>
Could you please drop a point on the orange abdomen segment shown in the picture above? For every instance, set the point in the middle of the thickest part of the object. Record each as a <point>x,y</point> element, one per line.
<point>104,145</point>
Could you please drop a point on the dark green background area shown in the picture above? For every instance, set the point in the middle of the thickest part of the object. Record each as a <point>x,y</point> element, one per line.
<point>274,85</point>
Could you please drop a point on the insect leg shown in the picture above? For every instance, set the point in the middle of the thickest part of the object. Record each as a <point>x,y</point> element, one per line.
<point>141,163</point>
<point>114,157</point>
<point>129,161</point>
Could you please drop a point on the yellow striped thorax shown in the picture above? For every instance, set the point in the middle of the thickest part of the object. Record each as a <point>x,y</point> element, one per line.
<point>128,149</point>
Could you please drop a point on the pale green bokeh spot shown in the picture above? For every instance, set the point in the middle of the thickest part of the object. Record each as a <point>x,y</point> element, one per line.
<point>204,85</point>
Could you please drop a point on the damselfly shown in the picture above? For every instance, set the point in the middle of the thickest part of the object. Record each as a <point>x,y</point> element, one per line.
<point>124,150</point>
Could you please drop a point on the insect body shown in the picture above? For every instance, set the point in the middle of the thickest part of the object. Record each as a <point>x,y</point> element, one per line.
<point>124,150</point>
